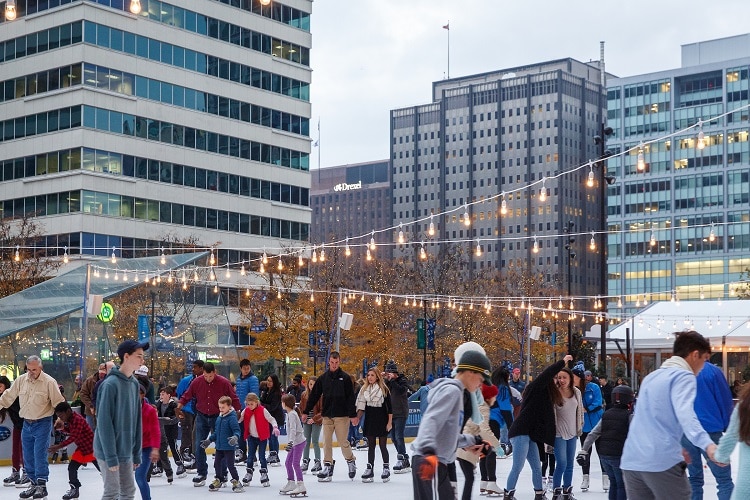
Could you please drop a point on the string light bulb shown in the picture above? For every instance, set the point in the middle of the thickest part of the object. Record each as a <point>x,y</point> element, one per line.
<point>300,260</point>
<point>280,265</point>
<point>536,246</point>
<point>347,251</point>
<point>372,241</point>
<point>114,257</point>
<point>163,259</point>
<point>10,10</point>
<point>619,302</point>
<point>265,257</point>
<point>712,234</point>
<point>652,240</point>
<point>278,293</point>
<point>431,230</point>
<point>467,220</point>
<point>503,205</point>
<point>65,256</point>
<point>211,258</point>
<point>314,255</point>
<point>422,253</point>
<point>322,253</point>
<point>312,297</point>
<point>641,162</point>
<point>262,268</point>
<point>592,243</point>
<point>227,275</point>
<point>400,233</point>
<point>243,272</point>
<point>369,255</point>
<point>479,249</point>
<point>135,6</point>
<point>590,181</point>
<point>701,143</point>
<point>543,193</point>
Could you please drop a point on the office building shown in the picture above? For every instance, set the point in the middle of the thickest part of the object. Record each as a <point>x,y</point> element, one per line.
<point>679,221</point>
<point>499,133</point>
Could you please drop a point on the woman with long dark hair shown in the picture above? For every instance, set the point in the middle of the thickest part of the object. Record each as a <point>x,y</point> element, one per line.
<point>738,431</point>
<point>568,424</point>
<point>271,401</point>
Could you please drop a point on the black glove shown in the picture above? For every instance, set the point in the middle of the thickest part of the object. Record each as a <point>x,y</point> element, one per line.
<point>581,458</point>
<point>486,447</point>
<point>205,443</point>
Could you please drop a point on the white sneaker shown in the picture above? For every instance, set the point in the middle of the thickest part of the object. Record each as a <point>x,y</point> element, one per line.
<point>605,482</point>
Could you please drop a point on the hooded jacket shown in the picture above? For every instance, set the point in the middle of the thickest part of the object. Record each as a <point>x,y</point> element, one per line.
<point>119,431</point>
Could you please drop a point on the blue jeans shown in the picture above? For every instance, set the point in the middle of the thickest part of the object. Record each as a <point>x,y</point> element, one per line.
<point>616,484</point>
<point>397,434</point>
<point>723,475</point>
<point>141,474</point>
<point>565,454</point>
<point>204,425</point>
<point>524,448</point>
<point>35,440</point>
<point>253,444</point>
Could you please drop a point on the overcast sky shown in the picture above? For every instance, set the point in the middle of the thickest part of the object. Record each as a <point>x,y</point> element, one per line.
<point>371,56</point>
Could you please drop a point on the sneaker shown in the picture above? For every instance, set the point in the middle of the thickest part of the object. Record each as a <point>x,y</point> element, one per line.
<point>299,491</point>
<point>386,475</point>
<point>264,478</point>
<point>41,490</point>
<point>326,474</point>
<point>23,481</point>
<point>316,467</point>
<point>237,486</point>
<point>29,492</point>
<point>199,481</point>
<point>181,472</point>
<point>248,476</point>
<point>216,484</point>
<point>288,487</point>
<point>368,476</point>
<point>352,468</point>
<point>71,493</point>
<point>11,480</point>
<point>305,464</point>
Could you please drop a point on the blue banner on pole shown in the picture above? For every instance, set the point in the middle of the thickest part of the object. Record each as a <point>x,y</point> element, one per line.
<point>431,334</point>
<point>144,332</point>
<point>164,326</point>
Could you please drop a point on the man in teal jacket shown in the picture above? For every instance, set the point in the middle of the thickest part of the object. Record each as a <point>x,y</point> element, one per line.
<point>118,436</point>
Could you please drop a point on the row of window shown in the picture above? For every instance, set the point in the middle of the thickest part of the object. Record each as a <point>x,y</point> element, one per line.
<point>275,10</point>
<point>115,205</point>
<point>154,170</point>
<point>147,88</point>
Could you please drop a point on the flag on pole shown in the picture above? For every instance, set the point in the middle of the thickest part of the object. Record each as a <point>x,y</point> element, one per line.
<point>447,27</point>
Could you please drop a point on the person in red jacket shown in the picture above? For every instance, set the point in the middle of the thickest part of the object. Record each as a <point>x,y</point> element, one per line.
<point>80,433</point>
<point>150,446</point>
<point>256,419</point>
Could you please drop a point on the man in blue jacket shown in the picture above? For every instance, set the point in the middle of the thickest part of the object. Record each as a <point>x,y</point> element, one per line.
<point>187,417</point>
<point>246,383</point>
<point>652,463</point>
<point>713,406</point>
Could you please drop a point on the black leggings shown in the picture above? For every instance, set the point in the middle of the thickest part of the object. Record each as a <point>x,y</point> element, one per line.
<point>468,469</point>
<point>73,467</point>
<point>383,441</point>
<point>547,458</point>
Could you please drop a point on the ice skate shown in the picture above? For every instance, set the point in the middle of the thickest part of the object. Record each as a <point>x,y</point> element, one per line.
<point>402,465</point>
<point>605,482</point>
<point>352,468</point>
<point>509,495</point>
<point>237,486</point>
<point>41,490</point>
<point>28,492</point>
<point>299,491</point>
<point>181,472</point>
<point>216,484</point>
<point>23,481</point>
<point>482,488</point>
<point>585,483</point>
<point>326,475</point>
<point>199,481</point>
<point>11,480</point>
<point>493,490</point>
<point>316,467</point>
<point>305,464</point>
<point>568,493</point>
<point>264,478</point>
<point>540,495</point>
<point>273,459</point>
<point>288,487</point>
<point>248,476</point>
<point>386,475</point>
<point>368,476</point>
<point>71,493</point>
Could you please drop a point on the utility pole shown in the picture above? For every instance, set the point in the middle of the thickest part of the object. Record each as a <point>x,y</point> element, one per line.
<point>571,255</point>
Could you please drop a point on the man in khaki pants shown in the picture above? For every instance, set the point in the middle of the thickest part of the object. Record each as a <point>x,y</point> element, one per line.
<point>337,390</point>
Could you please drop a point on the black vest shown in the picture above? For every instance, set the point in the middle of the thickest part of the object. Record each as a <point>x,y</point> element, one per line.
<point>615,425</point>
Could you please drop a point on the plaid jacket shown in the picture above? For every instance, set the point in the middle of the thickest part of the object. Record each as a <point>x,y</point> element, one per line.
<point>80,433</point>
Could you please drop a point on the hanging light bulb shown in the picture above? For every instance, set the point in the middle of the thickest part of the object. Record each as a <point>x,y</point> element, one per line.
<point>422,253</point>
<point>184,286</point>
<point>701,143</point>
<point>314,255</point>
<point>619,302</point>
<point>590,181</point>
<point>212,275</point>
<point>645,300</point>
<point>536,246</point>
<point>479,249</point>
<point>211,258</point>
<point>560,304</point>
<point>641,162</point>
<point>467,220</point>
<point>571,304</point>
<point>265,257</point>
<point>347,251</point>
<point>346,299</point>
<point>65,256</point>
<point>592,243</point>
<point>242,269</point>
<point>322,253</point>
<point>300,260</point>
<point>117,276</point>
<point>702,295</point>
<point>216,288</point>
<point>312,297</point>
<point>262,268</point>
<point>227,275</point>
<point>369,255</point>
<point>195,275</point>
<point>543,193</point>
<point>712,234</point>
<point>372,241</point>
<point>652,241</point>
<point>400,233</point>
<point>390,300</point>
<point>106,274</point>
<point>182,277</point>
<point>135,6</point>
<point>414,301</point>
<point>114,257</point>
<point>125,277</point>
<point>163,259</point>
<point>280,265</point>
<point>406,301</point>
<point>278,293</point>
<point>503,205</point>
<point>431,230</point>
<point>10,10</point>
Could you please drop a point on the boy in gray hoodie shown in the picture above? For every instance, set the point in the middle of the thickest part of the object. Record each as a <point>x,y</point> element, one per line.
<point>439,432</point>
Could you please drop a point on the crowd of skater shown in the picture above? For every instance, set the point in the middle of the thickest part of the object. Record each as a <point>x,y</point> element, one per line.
<point>126,428</point>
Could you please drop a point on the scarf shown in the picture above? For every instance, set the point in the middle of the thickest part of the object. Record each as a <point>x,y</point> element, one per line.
<point>371,395</point>
<point>676,362</point>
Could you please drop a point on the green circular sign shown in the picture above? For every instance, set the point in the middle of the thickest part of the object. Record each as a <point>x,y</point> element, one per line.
<point>107,314</point>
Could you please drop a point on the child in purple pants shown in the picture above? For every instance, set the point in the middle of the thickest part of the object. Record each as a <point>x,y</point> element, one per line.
<point>295,446</point>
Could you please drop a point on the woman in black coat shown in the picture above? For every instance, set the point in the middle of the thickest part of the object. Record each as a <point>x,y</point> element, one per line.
<point>271,401</point>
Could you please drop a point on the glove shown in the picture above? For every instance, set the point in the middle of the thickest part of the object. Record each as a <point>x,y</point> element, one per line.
<point>581,458</point>
<point>233,440</point>
<point>428,468</point>
<point>205,443</point>
<point>276,431</point>
<point>486,447</point>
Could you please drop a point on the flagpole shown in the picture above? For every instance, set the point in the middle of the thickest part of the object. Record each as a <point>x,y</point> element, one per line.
<point>448,27</point>
<point>318,150</point>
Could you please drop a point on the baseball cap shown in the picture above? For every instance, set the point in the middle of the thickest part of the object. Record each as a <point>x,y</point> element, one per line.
<point>477,362</point>
<point>129,347</point>
<point>142,370</point>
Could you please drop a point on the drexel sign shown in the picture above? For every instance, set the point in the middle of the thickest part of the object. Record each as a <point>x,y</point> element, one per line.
<point>347,187</point>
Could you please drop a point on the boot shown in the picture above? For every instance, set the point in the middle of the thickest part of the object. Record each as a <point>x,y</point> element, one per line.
<point>605,482</point>
<point>540,495</point>
<point>216,484</point>
<point>71,493</point>
<point>352,468</point>
<point>237,486</point>
<point>368,476</point>
<point>23,480</point>
<point>325,475</point>
<point>41,490</point>
<point>249,476</point>
<point>568,493</point>
<point>492,490</point>
<point>585,483</point>
<point>386,475</point>
<point>305,464</point>
<point>11,480</point>
<point>181,472</point>
<point>299,491</point>
<point>264,478</point>
<point>288,487</point>
<point>28,492</point>
<point>316,467</point>
<point>557,494</point>
<point>509,495</point>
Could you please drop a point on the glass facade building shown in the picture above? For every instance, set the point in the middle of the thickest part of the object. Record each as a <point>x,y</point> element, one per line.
<point>679,223</point>
<point>501,132</point>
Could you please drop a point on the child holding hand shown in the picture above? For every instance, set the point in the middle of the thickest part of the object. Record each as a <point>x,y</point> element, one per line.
<point>226,435</point>
<point>296,443</point>
<point>255,419</point>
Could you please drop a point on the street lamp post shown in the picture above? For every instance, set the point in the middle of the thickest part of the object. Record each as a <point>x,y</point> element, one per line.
<point>571,255</point>
<point>154,292</point>
<point>604,153</point>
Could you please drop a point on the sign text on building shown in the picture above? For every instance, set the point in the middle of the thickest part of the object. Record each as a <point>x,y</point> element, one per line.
<point>347,187</point>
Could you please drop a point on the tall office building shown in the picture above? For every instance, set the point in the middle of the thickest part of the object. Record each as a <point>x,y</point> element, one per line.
<point>351,200</point>
<point>679,221</point>
<point>495,133</point>
<point>128,125</point>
